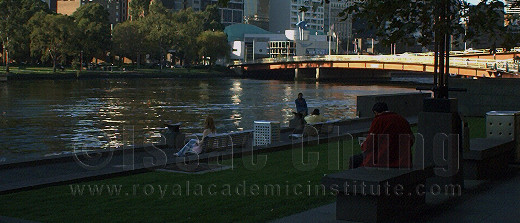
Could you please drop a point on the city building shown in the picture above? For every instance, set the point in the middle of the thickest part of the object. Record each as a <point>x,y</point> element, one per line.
<point>512,7</point>
<point>279,21</point>
<point>177,5</point>
<point>250,42</point>
<point>339,27</point>
<point>52,4</point>
<point>230,14</point>
<point>512,15</point>
<point>118,9</point>
<point>256,12</point>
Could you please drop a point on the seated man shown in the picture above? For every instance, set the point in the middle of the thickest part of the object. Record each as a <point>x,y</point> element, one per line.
<point>388,143</point>
<point>297,123</point>
<point>315,117</point>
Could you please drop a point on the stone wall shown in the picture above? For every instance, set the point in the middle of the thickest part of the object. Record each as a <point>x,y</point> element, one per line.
<point>485,95</point>
<point>405,104</point>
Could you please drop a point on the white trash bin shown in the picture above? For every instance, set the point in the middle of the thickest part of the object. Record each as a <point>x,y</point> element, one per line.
<point>505,124</point>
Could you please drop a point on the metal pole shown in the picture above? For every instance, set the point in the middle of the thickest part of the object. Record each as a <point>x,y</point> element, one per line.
<point>7,56</point>
<point>348,43</point>
<point>330,33</point>
<point>337,44</point>
<point>253,50</point>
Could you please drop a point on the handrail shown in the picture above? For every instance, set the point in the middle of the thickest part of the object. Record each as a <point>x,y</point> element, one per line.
<point>497,65</point>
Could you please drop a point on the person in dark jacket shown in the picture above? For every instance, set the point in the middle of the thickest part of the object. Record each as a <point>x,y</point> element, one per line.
<point>388,143</point>
<point>301,105</point>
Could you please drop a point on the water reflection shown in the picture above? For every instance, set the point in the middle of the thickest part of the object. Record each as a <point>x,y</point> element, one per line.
<point>50,117</point>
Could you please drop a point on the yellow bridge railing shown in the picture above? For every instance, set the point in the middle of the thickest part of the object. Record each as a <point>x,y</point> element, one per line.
<point>496,65</point>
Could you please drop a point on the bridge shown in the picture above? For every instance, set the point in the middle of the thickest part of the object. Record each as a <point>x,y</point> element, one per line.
<point>473,65</point>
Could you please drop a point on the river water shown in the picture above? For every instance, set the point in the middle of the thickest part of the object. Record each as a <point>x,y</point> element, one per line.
<point>49,117</point>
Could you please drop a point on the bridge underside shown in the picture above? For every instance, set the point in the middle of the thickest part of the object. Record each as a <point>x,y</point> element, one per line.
<point>357,70</point>
<point>319,74</point>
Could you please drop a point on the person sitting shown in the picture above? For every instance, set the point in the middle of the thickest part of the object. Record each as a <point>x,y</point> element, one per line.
<point>194,145</point>
<point>315,117</point>
<point>297,123</point>
<point>388,143</point>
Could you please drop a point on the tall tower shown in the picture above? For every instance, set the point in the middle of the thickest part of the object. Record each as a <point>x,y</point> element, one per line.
<point>256,12</point>
<point>279,21</point>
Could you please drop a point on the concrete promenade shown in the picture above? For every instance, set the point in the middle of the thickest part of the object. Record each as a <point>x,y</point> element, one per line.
<point>496,201</point>
<point>65,169</point>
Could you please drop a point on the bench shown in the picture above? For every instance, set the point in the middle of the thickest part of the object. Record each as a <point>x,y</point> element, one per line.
<point>487,158</point>
<point>220,142</point>
<point>324,128</point>
<point>395,199</point>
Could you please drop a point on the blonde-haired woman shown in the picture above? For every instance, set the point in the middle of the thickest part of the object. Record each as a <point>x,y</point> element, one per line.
<point>193,146</point>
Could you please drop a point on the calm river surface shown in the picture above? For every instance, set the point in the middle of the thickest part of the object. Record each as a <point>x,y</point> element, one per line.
<point>42,118</point>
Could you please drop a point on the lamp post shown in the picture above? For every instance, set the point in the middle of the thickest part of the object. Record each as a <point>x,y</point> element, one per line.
<point>7,55</point>
<point>81,61</point>
<point>330,32</point>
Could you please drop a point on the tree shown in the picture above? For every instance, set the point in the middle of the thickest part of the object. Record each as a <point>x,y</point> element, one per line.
<point>188,28</point>
<point>212,18</point>
<point>486,21</point>
<point>92,21</point>
<point>129,40</point>
<point>14,34</point>
<point>138,8</point>
<point>159,29</point>
<point>53,37</point>
<point>412,22</point>
<point>213,45</point>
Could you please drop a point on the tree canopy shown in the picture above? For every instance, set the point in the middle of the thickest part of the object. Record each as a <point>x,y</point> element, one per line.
<point>53,37</point>
<point>412,22</point>
<point>92,21</point>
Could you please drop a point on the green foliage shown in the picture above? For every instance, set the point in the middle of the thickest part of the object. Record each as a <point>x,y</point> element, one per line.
<point>404,21</point>
<point>128,40</point>
<point>212,18</point>
<point>213,45</point>
<point>138,8</point>
<point>159,29</point>
<point>486,23</point>
<point>187,30</point>
<point>53,37</point>
<point>92,21</point>
<point>14,28</point>
<point>411,22</point>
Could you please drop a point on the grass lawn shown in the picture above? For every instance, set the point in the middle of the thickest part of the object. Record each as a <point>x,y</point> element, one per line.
<point>213,197</point>
<point>49,70</point>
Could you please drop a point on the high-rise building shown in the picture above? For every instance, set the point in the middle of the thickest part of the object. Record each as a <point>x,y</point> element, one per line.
<point>118,9</point>
<point>232,13</point>
<point>256,12</point>
<point>52,4</point>
<point>512,12</point>
<point>177,5</point>
<point>285,14</point>
<point>336,24</point>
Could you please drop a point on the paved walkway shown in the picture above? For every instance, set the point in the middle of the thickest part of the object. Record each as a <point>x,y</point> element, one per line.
<point>65,169</point>
<point>497,201</point>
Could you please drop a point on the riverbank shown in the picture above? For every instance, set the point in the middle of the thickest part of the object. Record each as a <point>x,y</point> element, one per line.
<point>249,192</point>
<point>47,73</point>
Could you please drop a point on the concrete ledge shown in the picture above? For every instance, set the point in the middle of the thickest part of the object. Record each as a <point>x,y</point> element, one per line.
<point>405,104</point>
<point>487,158</point>
<point>367,199</point>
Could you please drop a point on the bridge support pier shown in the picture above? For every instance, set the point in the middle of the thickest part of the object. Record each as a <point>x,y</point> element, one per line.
<point>317,74</point>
